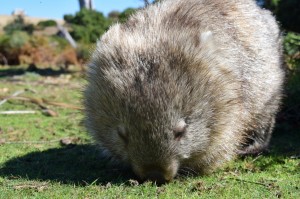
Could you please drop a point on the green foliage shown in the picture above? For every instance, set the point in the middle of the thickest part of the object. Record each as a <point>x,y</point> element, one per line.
<point>84,52</point>
<point>47,23</point>
<point>271,4</point>
<point>114,15</point>
<point>87,25</point>
<point>286,11</point>
<point>11,45</point>
<point>126,14</point>
<point>59,42</point>
<point>289,14</point>
<point>14,41</point>
<point>18,25</point>
<point>292,50</point>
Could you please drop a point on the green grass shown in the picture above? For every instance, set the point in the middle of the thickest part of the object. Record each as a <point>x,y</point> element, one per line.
<point>35,164</point>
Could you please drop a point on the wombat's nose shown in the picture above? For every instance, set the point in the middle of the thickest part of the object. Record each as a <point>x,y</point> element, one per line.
<point>157,177</point>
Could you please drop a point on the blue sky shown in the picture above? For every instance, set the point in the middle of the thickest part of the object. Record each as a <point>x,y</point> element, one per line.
<point>57,8</point>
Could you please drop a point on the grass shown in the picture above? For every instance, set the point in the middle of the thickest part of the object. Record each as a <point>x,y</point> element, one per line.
<point>53,157</point>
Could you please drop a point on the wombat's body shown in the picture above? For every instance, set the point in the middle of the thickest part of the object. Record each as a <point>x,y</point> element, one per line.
<point>185,84</point>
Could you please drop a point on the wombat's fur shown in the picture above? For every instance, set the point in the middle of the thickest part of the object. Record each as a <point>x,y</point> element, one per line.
<point>185,84</point>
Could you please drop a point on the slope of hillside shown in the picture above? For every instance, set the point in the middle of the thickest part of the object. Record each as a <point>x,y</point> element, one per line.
<point>5,19</point>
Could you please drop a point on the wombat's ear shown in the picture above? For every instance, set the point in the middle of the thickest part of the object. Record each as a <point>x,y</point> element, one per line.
<point>112,35</point>
<point>180,129</point>
<point>207,41</point>
<point>122,133</point>
<point>206,36</point>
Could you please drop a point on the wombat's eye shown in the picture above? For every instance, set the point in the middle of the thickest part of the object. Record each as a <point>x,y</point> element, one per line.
<point>122,133</point>
<point>180,130</point>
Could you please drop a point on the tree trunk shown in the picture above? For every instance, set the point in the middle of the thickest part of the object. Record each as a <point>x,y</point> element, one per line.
<point>87,4</point>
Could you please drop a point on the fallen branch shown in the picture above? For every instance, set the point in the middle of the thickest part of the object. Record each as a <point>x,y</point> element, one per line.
<point>13,95</point>
<point>62,105</point>
<point>268,185</point>
<point>63,141</point>
<point>42,102</point>
<point>31,142</point>
<point>16,112</point>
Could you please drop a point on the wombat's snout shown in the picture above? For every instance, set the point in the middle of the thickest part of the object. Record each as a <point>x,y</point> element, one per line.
<point>159,175</point>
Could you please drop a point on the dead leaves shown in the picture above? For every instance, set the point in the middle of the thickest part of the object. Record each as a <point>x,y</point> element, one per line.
<point>37,186</point>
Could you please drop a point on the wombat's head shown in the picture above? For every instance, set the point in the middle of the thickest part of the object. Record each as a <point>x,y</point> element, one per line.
<point>142,103</point>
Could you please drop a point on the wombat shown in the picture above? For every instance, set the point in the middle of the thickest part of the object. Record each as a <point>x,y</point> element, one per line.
<point>185,84</point>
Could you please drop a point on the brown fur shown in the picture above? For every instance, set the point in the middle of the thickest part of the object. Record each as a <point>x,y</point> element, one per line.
<point>185,84</point>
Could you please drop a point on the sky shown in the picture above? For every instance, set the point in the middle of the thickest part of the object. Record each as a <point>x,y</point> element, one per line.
<point>56,9</point>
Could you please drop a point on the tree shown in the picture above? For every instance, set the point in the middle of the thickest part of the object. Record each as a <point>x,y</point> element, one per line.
<point>86,4</point>
<point>146,2</point>
<point>114,16</point>
<point>87,25</point>
<point>126,14</point>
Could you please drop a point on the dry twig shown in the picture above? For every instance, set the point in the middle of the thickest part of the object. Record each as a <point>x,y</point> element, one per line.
<point>42,102</point>
<point>16,112</point>
<point>36,186</point>
<point>31,142</point>
<point>13,95</point>
<point>267,185</point>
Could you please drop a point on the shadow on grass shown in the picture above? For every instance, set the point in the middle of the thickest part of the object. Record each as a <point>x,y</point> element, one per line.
<point>83,165</point>
<point>12,71</point>
<point>286,136</point>
<point>79,165</point>
<point>285,141</point>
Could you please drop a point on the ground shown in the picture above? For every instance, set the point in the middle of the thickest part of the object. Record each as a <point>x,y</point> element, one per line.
<point>48,153</point>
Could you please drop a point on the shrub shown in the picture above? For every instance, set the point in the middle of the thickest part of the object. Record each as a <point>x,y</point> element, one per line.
<point>11,45</point>
<point>18,25</point>
<point>292,50</point>
<point>47,23</point>
<point>84,52</point>
<point>66,58</point>
<point>87,25</point>
<point>114,16</point>
<point>59,43</point>
<point>126,14</point>
<point>288,14</point>
<point>286,11</point>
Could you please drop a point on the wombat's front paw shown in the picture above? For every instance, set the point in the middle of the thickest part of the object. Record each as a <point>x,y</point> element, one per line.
<point>253,150</point>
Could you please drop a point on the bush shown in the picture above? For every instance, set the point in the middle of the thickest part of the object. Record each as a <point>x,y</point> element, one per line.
<point>114,14</point>
<point>11,45</point>
<point>18,25</point>
<point>84,52</point>
<point>286,11</point>
<point>288,14</point>
<point>21,48</point>
<point>269,4</point>
<point>87,25</point>
<point>126,14</point>
<point>47,23</point>
<point>292,50</point>
<point>66,58</point>
<point>59,43</point>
